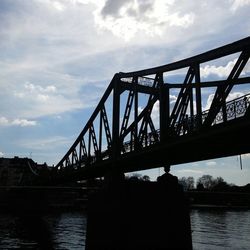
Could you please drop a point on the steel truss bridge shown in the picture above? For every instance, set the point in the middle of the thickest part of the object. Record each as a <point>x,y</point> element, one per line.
<point>171,127</point>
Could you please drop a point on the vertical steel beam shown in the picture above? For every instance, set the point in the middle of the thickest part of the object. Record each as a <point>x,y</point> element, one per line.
<point>116,147</point>
<point>89,143</point>
<point>191,100</point>
<point>100,132</point>
<point>135,132</point>
<point>80,152</point>
<point>164,110</point>
<point>198,120</point>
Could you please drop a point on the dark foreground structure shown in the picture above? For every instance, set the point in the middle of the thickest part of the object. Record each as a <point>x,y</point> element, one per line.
<point>139,215</point>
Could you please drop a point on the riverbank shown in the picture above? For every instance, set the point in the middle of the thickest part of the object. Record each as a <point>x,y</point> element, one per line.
<point>46,199</point>
<point>42,199</point>
<point>207,199</point>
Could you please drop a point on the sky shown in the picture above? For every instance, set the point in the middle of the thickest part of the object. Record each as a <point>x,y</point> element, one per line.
<point>57,57</point>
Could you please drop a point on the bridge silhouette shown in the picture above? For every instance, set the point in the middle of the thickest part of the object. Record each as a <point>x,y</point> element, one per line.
<point>145,121</point>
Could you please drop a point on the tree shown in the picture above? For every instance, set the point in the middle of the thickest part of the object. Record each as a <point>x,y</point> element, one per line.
<point>138,177</point>
<point>187,182</point>
<point>207,181</point>
<point>145,178</point>
<point>220,185</point>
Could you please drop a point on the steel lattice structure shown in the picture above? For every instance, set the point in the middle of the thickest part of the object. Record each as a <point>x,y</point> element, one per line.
<point>129,132</point>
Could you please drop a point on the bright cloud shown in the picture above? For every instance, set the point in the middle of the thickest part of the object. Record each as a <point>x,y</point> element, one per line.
<point>230,97</point>
<point>125,19</point>
<point>4,121</point>
<point>1,154</point>
<point>236,4</point>
<point>16,122</point>
<point>23,122</point>
<point>189,171</point>
<point>37,88</point>
<point>211,163</point>
<point>36,92</point>
<point>246,155</point>
<point>221,71</point>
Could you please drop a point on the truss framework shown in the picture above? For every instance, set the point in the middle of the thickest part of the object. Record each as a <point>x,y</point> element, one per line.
<point>108,136</point>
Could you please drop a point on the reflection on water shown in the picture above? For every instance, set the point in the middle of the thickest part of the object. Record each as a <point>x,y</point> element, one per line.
<point>220,229</point>
<point>54,231</point>
<point>214,229</point>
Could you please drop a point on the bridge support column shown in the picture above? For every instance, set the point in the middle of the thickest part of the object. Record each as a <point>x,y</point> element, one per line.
<point>138,215</point>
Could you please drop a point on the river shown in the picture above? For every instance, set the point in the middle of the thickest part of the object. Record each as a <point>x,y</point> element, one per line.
<point>211,229</point>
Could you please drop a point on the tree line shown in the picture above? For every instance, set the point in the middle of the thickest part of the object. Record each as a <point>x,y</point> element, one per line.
<point>203,183</point>
<point>209,183</point>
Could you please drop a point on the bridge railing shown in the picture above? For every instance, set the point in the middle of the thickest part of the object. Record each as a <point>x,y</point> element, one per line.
<point>233,109</point>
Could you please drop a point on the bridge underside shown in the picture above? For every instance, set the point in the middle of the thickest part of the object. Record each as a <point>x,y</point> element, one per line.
<point>219,141</point>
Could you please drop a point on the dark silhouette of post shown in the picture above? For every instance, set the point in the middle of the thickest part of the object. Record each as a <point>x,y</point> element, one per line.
<point>168,179</point>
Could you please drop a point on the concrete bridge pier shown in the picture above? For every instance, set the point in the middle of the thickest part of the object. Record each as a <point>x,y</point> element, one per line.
<point>138,215</point>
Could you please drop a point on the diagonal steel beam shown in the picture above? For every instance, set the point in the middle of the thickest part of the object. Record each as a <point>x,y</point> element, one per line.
<point>223,91</point>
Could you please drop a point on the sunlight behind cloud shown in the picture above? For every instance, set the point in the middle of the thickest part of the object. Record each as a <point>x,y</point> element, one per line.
<point>126,19</point>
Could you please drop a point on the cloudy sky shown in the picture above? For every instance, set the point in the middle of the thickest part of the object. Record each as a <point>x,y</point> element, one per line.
<point>58,56</point>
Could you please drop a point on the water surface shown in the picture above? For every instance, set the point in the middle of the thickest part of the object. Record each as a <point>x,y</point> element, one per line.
<point>211,229</point>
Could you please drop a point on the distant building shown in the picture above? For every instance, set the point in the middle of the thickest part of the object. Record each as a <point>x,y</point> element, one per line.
<point>19,171</point>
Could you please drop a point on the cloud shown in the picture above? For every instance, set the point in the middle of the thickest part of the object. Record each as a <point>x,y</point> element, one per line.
<point>45,143</point>
<point>16,122</point>
<point>36,92</point>
<point>23,122</point>
<point>1,154</point>
<point>246,155</point>
<point>155,115</point>
<point>126,18</point>
<point>211,163</point>
<point>230,97</point>
<point>34,100</point>
<point>4,121</point>
<point>221,71</point>
<point>53,57</point>
<point>37,88</point>
<point>173,99</point>
<point>189,171</point>
<point>236,4</point>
